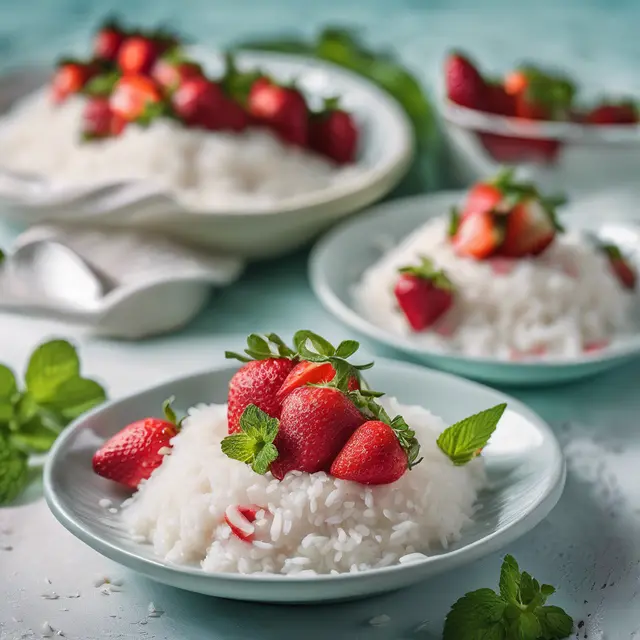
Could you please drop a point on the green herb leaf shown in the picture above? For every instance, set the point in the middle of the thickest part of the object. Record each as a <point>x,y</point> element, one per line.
<point>262,348</point>
<point>8,385</point>
<point>554,622</point>
<point>464,440</point>
<point>510,580</point>
<point>529,588</point>
<point>476,616</point>
<point>51,364</point>
<point>102,85</point>
<point>454,221</point>
<point>525,627</point>
<point>547,591</point>
<point>13,472</point>
<point>254,444</point>
<point>322,347</point>
<point>76,396</point>
<point>2,256</point>
<point>347,348</point>
<point>35,436</point>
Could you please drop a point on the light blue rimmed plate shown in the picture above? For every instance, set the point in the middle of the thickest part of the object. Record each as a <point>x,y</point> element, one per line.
<point>525,467</point>
<point>340,258</point>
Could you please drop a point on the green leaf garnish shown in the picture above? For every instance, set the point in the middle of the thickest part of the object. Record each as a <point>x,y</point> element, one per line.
<point>13,471</point>
<point>102,85</point>
<point>454,222</point>
<point>50,365</point>
<point>464,440</point>
<point>8,384</point>
<point>517,612</point>
<point>262,348</point>
<point>426,271</point>
<point>254,444</point>
<point>76,396</point>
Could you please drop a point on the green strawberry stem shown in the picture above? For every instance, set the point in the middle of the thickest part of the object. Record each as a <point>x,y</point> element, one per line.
<point>426,271</point>
<point>263,348</point>
<point>254,444</point>
<point>170,414</point>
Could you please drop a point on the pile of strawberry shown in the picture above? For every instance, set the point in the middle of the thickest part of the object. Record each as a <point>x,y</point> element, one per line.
<point>503,219</point>
<point>137,76</point>
<point>529,93</point>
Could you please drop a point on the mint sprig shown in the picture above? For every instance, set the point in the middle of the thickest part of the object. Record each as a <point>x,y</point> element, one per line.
<point>464,440</point>
<point>519,611</point>
<point>254,444</point>
<point>31,418</point>
<point>263,348</point>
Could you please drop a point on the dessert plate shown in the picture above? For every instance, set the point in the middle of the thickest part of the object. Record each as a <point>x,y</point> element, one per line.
<point>525,467</point>
<point>340,258</point>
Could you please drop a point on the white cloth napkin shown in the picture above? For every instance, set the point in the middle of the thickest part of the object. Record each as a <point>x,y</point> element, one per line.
<point>155,284</point>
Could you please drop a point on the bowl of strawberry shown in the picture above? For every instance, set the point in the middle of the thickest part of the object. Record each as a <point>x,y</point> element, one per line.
<point>494,283</point>
<point>253,153</point>
<point>536,119</point>
<point>292,477</point>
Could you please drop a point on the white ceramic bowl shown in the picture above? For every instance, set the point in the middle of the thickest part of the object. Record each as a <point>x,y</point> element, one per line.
<point>339,260</point>
<point>384,157</point>
<point>524,463</point>
<point>565,156</point>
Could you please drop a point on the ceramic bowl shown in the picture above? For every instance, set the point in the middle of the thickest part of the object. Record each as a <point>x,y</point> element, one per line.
<point>262,231</point>
<point>525,467</point>
<point>340,258</point>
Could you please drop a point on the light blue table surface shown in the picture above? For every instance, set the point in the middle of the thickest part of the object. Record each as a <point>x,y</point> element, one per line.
<point>589,547</point>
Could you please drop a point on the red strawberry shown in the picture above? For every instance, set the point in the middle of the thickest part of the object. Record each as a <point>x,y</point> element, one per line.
<point>133,95</point>
<point>99,121</point>
<point>239,519</point>
<point>424,294</point>
<point>514,150</point>
<point>202,103</point>
<point>622,113</point>
<point>530,230</point>
<point>482,197</point>
<point>334,134</point>
<point>315,423</point>
<point>231,116</point>
<point>373,455</point>
<point>108,40</point>
<point>465,85</point>
<point>282,109</point>
<point>306,372</point>
<point>624,271</point>
<point>477,236</point>
<point>133,453</point>
<point>137,54</point>
<point>69,78</point>
<point>170,73</point>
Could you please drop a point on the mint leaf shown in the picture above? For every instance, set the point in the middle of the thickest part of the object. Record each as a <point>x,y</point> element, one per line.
<point>76,396</point>
<point>8,385</point>
<point>476,616</point>
<point>50,365</point>
<point>13,472</point>
<point>347,348</point>
<point>547,590</point>
<point>254,444</point>
<point>529,588</point>
<point>464,440</point>
<point>555,624</point>
<point>510,579</point>
<point>525,627</point>
<point>35,437</point>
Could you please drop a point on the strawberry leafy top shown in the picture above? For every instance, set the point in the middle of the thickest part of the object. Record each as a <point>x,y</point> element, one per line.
<point>426,271</point>
<point>170,414</point>
<point>263,348</point>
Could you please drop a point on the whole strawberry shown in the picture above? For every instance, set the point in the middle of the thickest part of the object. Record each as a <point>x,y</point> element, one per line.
<point>613,113</point>
<point>133,453</point>
<point>199,102</point>
<point>464,83</point>
<point>99,121</point>
<point>137,54</point>
<point>259,379</point>
<point>334,134</point>
<point>377,453</point>
<point>424,294</point>
<point>281,109</point>
<point>69,78</point>
<point>108,41</point>
<point>171,70</point>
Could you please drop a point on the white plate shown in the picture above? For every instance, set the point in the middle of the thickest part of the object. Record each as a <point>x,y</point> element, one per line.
<point>524,463</point>
<point>339,260</point>
<point>385,155</point>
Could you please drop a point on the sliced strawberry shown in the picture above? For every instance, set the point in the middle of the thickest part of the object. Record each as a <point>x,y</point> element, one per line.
<point>530,230</point>
<point>99,121</point>
<point>69,78</point>
<point>424,294</point>
<point>465,86</point>
<point>334,134</point>
<point>240,519</point>
<point>478,236</point>
<point>481,198</point>
<point>171,71</point>
<point>306,372</point>
<point>624,270</point>
<point>609,113</point>
<point>282,109</point>
<point>132,97</point>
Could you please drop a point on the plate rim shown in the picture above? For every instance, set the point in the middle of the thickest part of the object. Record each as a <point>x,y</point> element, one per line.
<point>388,174</point>
<point>346,314</point>
<point>158,568</point>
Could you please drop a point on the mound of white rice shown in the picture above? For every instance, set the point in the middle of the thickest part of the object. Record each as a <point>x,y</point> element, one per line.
<point>310,523</point>
<point>560,304</point>
<point>201,168</point>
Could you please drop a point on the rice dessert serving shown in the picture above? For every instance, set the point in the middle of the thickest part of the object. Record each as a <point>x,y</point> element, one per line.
<point>140,109</point>
<point>507,283</point>
<point>382,493</point>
